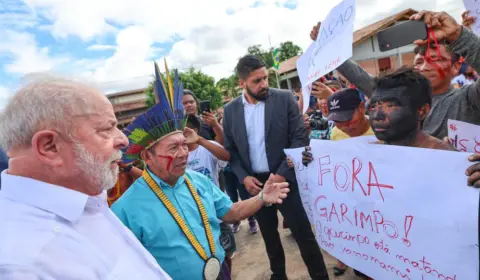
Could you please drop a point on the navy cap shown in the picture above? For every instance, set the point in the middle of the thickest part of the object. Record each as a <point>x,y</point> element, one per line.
<point>342,104</point>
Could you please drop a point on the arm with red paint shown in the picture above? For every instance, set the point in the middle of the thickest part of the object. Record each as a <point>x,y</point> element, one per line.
<point>461,41</point>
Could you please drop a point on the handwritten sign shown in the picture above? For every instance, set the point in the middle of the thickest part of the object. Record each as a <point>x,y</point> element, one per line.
<point>302,70</point>
<point>302,179</point>
<point>474,7</point>
<point>332,47</point>
<point>395,212</point>
<point>465,137</point>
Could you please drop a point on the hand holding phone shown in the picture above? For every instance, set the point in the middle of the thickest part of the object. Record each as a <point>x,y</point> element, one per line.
<point>205,106</point>
<point>401,35</point>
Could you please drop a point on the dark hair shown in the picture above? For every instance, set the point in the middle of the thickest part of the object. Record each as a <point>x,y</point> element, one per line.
<point>193,122</point>
<point>247,65</point>
<point>419,87</point>
<point>188,92</point>
<point>422,50</point>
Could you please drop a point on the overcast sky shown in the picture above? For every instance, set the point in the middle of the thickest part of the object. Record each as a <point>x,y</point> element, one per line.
<point>113,42</point>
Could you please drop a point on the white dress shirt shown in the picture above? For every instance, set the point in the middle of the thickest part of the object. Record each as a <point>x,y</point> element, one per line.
<point>255,125</point>
<point>50,232</point>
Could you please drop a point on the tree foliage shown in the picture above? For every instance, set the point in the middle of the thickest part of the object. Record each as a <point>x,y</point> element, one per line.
<point>198,82</point>
<point>229,86</point>
<point>289,50</point>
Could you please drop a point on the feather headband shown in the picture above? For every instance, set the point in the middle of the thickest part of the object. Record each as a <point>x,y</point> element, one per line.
<point>164,118</point>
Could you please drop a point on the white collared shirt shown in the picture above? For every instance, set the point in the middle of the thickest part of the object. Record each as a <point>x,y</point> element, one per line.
<point>50,232</point>
<point>255,125</point>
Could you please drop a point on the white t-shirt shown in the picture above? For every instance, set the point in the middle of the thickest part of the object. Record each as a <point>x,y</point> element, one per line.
<point>461,80</point>
<point>201,160</point>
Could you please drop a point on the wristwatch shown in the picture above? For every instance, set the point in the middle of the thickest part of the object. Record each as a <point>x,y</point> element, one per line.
<point>260,197</point>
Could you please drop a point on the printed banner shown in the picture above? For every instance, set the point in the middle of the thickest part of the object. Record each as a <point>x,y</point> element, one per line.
<point>393,212</point>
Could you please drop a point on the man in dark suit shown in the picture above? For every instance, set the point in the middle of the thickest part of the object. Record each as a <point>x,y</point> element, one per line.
<point>257,126</point>
<point>3,163</point>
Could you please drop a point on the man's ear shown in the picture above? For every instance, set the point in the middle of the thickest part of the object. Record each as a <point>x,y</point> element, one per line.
<point>242,83</point>
<point>46,147</point>
<point>423,112</point>
<point>361,108</point>
<point>145,156</point>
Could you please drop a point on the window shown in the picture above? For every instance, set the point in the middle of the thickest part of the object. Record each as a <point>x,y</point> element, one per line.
<point>384,64</point>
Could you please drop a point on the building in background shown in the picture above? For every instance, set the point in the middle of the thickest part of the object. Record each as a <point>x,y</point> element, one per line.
<point>127,105</point>
<point>365,52</point>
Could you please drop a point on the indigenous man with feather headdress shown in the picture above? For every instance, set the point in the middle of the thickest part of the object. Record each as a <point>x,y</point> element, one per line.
<point>175,212</point>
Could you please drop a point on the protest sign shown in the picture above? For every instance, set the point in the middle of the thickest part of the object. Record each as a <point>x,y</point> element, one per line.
<point>465,137</point>
<point>302,70</point>
<point>332,47</point>
<point>474,7</point>
<point>395,212</point>
<point>301,174</point>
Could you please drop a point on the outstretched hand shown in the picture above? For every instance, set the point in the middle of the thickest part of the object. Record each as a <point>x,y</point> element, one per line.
<point>274,193</point>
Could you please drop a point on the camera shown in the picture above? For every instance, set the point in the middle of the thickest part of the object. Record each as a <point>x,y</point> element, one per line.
<point>317,122</point>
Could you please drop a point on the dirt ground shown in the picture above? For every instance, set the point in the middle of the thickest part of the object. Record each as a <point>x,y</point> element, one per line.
<point>251,261</point>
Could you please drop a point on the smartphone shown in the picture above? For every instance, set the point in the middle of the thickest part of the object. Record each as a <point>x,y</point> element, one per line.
<point>313,102</point>
<point>402,34</point>
<point>204,106</point>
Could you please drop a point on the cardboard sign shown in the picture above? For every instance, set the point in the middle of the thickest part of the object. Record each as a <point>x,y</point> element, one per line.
<point>474,7</point>
<point>394,212</point>
<point>332,48</point>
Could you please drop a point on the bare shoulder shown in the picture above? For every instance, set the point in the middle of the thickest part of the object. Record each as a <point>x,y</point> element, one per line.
<point>438,144</point>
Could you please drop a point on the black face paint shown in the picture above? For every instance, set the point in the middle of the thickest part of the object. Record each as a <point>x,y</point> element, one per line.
<point>259,96</point>
<point>392,115</point>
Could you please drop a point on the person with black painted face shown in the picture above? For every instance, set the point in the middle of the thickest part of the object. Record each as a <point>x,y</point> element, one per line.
<point>439,63</point>
<point>399,105</point>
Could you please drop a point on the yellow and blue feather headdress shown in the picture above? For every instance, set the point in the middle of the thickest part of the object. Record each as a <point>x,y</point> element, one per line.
<point>162,119</point>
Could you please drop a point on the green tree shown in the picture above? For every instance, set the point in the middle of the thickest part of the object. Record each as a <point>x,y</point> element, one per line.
<point>229,86</point>
<point>265,55</point>
<point>202,85</point>
<point>150,95</point>
<point>289,50</point>
<point>198,82</point>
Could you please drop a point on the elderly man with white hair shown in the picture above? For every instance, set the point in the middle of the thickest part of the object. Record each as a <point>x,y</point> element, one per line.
<point>63,143</point>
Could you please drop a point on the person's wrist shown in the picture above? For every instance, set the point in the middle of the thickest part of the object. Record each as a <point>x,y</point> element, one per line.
<point>201,140</point>
<point>455,35</point>
<point>262,200</point>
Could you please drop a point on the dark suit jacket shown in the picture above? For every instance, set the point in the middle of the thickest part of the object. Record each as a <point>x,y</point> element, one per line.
<point>3,163</point>
<point>284,128</point>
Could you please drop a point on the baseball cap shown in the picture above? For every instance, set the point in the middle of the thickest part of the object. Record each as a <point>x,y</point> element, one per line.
<point>342,104</point>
